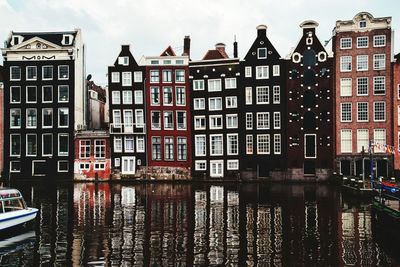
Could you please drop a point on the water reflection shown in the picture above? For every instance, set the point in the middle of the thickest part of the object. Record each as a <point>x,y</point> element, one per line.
<point>200,225</point>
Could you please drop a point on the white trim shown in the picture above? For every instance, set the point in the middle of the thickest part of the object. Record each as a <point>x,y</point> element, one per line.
<point>205,145</point>
<point>52,142</point>
<point>123,165</point>
<point>58,73</point>
<point>196,162</point>
<point>20,145</point>
<point>11,161</point>
<point>227,144</point>
<point>26,73</point>
<point>213,117</point>
<point>203,118</point>
<point>33,167</point>
<point>26,145</point>
<point>199,100</point>
<point>63,154</point>
<point>221,165</point>
<point>58,165</point>
<point>222,144</point>
<point>52,74</point>
<point>227,116</point>
<point>235,161</point>
<point>20,95</point>
<point>52,94</point>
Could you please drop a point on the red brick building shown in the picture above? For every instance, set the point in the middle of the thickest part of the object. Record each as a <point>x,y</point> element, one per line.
<point>363,104</point>
<point>1,119</point>
<point>168,115</point>
<point>396,114</point>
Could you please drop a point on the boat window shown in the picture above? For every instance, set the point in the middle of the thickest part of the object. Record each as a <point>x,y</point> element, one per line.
<point>1,207</point>
<point>13,205</point>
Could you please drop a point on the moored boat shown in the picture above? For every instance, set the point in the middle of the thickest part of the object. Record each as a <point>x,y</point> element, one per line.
<point>13,209</point>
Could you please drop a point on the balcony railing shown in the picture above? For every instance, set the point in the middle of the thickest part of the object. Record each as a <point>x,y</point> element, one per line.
<point>127,128</point>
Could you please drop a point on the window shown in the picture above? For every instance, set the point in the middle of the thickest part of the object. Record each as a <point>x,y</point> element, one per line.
<point>216,168</point>
<point>345,63</point>
<point>379,85</point>
<point>128,118</point>
<point>127,79</point>
<point>230,83</point>
<point>247,72</point>
<point>216,145</point>
<point>232,164</point>
<point>31,118</point>
<point>199,103</point>
<point>216,122</point>
<point>154,76</point>
<point>199,123</point>
<point>138,97</point>
<point>398,116</point>
<point>137,77</point>
<point>231,102</point>
<point>379,138</point>
<point>345,112</point>
<point>180,96</point>
<point>379,111</point>
<point>140,145</point>
<point>231,121</point>
<point>156,148</point>
<point>263,146</point>
<point>15,166</point>
<point>181,120</point>
<point>249,95</point>
<point>117,144</point>
<point>15,145</point>
<point>123,61</point>
<point>362,62</point>
<point>379,62</point>
<point>155,95</point>
<point>362,140</point>
<point>232,143</point>
<point>15,118</point>
<point>168,122</point>
<point>47,117</point>
<point>115,77</point>
<point>345,43</point>
<point>215,103</point>
<point>276,98</point>
<point>63,117</point>
<point>277,120</point>
<point>31,145</point>
<point>362,42</point>
<point>182,148</point>
<point>98,166</point>
<point>117,118</point>
<point>262,72</point>
<point>168,148</point>
<point>31,73</point>
<point>180,76</point>
<point>198,85</point>
<point>214,85</point>
<point>262,95</point>
<point>277,144</point>
<point>379,40</point>
<point>398,91</point>
<point>155,120</point>
<point>167,76</point>
<point>362,86</point>
<point>276,70</point>
<point>362,24</point>
<point>15,73</point>
<point>84,166</point>
<point>262,53</point>
<point>128,165</point>
<point>249,144</point>
<point>63,93</point>
<point>63,143</point>
<point>249,121</point>
<point>167,92</point>
<point>345,87</point>
<point>47,94</point>
<point>63,72</point>
<point>262,120</point>
<point>84,149</point>
<point>129,144</point>
<point>362,111</point>
<point>200,165</point>
<point>47,144</point>
<point>200,145</point>
<point>126,97</point>
<point>15,95</point>
<point>346,141</point>
<point>139,118</point>
<point>47,73</point>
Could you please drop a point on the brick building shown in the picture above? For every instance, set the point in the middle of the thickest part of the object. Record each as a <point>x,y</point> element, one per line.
<point>363,104</point>
<point>396,114</point>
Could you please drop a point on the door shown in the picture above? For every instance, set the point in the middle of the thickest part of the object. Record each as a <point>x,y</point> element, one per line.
<point>217,168</point>
<point>128,165</point>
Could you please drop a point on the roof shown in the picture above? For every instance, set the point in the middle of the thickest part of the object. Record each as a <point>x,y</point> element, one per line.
<point>101,93</point>
<point>53,37</point>
<point>168,52</point>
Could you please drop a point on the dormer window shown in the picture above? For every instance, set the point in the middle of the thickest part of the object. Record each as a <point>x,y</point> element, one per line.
<point>16,39</point>
<point>67,39</point>
<point>123,61</point>
<point>262,53</point>
<point>363,24</point>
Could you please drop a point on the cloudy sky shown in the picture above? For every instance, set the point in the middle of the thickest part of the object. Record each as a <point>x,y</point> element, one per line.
<point>149,26</point>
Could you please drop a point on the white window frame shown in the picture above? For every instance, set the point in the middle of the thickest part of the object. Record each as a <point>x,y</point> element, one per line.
<point>199,163</point>
<point>232,118</point>
<point>262,49</point>
<point>249,95</point>
<point>222,145</point>
<point>342,62</point>
<point>196,137</point>
<point>249,144</point>
<point>127,97</point>
<point>345,41</point>
<point>375,40</point>
<point>63,78</point>
<point>262,72</point>
<point>359,40</point>
<point>58,118</point>
<point>277,120</point>
<point>277,144</point>
<point>20,73</point>
<point>138,97</point>
<point>249,121</point>
<point>232,161</point>
<point>221,165</point>
<point>118,146</point>
<point>346,87</point>
<point>199,103</point>
<point>115,77</point>
<point>229,148</point>
<point>133,159</point>
<point>276,71</point>
<point>33,78</point>
<point>263,126</point>
<point>231,99</point>
<point>200,118</point>
<point>46,66</point>
<point>198,85</point>
<point>20,95</point>
<point>259,89</point>
<point>126,78</point>
<point>62,154</point>
<point>58,165</point>
<point>383,141</point>
<point>213,85</point>
<point>247,71</point>
<point>276,94</point>
<point>213,118</point>
<point>384,111</point>
<point>377,60</point>
<point>268,144</point>
<point>137,76</point>
<point>342,113</point>
<point>361,140</point>
<point>140,144</point>
<point>358,111</point>
<point>362,62</point>
<point>216,99</point>
<point>344,148</point>
<point>359,84</point>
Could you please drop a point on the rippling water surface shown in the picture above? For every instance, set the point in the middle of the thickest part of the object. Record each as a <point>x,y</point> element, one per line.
<point>197,225</point>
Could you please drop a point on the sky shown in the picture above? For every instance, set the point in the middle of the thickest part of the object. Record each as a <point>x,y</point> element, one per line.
<point>149,26</point>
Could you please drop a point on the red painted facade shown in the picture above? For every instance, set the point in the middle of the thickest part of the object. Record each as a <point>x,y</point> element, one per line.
<point>396,112</point>
<point>92,155</point>
<point>158,93</point>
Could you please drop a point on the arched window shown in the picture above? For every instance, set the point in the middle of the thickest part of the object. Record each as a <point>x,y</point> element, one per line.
<point>309,78</point>
<point>309,99</point>
<point>309,121</point>
<point>309,58</point>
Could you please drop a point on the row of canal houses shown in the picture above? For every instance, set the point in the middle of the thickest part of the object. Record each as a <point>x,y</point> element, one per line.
<point>299,117</point>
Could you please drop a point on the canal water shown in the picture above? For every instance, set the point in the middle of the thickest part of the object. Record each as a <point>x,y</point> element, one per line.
<point>197,225</point>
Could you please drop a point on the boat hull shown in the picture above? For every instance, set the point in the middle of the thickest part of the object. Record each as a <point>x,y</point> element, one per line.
<point>17,218</point>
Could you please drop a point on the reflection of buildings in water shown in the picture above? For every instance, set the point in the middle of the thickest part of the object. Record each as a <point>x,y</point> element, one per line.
<point>216,222</point>
<point>232,226</point>
<point>200,228</point>
<point>311,233</point>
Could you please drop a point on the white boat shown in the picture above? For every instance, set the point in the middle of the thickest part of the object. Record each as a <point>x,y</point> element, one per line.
<point>13,209</point>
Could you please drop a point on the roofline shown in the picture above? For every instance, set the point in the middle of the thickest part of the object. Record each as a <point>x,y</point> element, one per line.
<point>214,60</point>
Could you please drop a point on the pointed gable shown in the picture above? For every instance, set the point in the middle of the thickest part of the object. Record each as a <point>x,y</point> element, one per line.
<point>125,52</point>
<point>36,43</point>
<point>168,52</point>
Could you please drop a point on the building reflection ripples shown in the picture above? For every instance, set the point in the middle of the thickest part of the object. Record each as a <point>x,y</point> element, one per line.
<point>193,225</point>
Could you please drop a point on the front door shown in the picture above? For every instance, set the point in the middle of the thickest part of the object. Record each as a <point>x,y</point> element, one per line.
<point>128,165</point>
<point>217,168</point>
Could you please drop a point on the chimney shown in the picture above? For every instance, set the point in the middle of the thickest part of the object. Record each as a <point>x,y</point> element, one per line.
<point>125,47</point>
<point>221,48</point>
<point>262,30</point>
<point>235,48</point>
<point>186,46</point>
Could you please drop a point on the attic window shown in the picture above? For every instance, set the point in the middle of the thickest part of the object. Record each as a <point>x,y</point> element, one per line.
<point>363,24</point>
<point>67,39</point>
<point>154,62</point>
<point>167,62</point>
<point>262,52</point>
<point>16,40</point>
<point>123,61</point>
